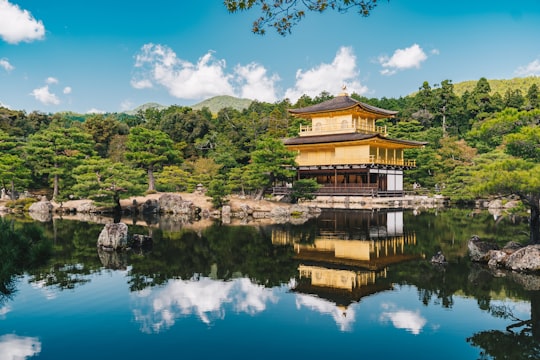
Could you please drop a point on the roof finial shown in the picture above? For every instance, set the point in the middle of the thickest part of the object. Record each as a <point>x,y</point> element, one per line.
<point>343,90</point>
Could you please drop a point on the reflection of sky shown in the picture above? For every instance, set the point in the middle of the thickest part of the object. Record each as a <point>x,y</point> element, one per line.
<point>344,317</point>
<point>409,320</point>
<point>13,347</point>
<point>158,308</point>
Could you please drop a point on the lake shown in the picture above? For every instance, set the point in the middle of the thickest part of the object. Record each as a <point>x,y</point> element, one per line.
<point>347,285</point>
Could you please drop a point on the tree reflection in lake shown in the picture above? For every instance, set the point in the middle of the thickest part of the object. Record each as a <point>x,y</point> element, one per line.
<point>329,265</point>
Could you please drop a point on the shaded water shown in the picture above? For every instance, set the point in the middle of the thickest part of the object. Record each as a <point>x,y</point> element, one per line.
<point>350,284</point>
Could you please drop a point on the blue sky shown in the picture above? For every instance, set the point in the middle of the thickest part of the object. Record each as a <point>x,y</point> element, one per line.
<point>109,56</point>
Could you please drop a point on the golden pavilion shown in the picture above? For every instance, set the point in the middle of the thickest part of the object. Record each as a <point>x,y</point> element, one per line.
<point>346,152</point>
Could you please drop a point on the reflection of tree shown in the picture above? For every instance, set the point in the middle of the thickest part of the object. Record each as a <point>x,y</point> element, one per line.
<point>21,249</point>
<point>74,255</point>
<point>221,252</point>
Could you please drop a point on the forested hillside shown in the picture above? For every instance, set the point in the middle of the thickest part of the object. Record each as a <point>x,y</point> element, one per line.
<point>479,142</point>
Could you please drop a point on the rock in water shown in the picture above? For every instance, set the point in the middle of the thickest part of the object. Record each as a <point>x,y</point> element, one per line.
<point>113,237</point>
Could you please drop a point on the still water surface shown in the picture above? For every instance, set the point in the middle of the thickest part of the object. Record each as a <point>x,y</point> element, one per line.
<point>348,285</point>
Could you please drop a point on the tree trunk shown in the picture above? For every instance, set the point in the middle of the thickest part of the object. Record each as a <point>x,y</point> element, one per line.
<point>535,223</point>
<point>12,190</point>
<point>55,186</point>
<point>151,180</point>
<point>117,211</point>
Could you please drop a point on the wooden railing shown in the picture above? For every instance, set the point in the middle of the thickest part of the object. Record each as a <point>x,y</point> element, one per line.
<point>308,130</point>
<point>345,190</point>
<point>372,159</point>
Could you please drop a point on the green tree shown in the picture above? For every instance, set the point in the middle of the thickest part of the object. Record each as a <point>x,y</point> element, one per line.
<point>282,15</point>
<point>304,189</point>
<point>106,182</point>
<point>271,162</point>
<point>150,150</point>
<point>13,172</point>
<point>532,97</point>
<point>103,129</point>
<point>172,178</point>
<point>55,151</point>
<point>513,176</point>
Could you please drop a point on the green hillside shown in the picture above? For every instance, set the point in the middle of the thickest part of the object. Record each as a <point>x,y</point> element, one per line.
<point>499,86</point>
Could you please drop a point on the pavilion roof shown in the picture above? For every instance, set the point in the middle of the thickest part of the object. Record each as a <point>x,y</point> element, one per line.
<point>333,138</point>
<point>341,103</point>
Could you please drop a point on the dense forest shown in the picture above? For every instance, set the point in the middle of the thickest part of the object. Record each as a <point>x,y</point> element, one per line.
<point>480,142</point>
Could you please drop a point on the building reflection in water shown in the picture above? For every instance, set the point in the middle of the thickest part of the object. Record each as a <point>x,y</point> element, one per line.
<point>347,256</point>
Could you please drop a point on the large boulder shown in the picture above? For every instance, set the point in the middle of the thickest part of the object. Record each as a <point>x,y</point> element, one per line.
<point>113,237</point>
<point>526,259</point>
<point>43,206</point>
<point>174,204</point>
<point>479,250</point>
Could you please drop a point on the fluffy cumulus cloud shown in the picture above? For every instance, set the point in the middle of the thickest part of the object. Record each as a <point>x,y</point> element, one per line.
<point>13,347</point>
<point>18,25</point>
<point>254,79</point>
<point>44,96</point>
<point>4,64</point>
<point>403,59</point>
<point>328,77</point>
<point>67,90</point>
<point>159,65</point>
<point>531,69</point>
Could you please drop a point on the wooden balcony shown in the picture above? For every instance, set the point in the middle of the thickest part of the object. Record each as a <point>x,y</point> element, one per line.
<point>371,160</point>
<point>308,130</point>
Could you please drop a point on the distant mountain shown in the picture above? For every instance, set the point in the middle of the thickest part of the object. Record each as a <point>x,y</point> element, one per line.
<point>499,86</point>
<point>143,107</point>
<point>216,103</point>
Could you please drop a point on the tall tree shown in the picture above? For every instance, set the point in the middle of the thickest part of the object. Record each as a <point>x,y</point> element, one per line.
<point>532,97</point>
<point>150,150</point>
<point>13,172</point>
<point>271,162</point>
<point>103,129</point>
<point>55,151</point>
<point>107,182</point>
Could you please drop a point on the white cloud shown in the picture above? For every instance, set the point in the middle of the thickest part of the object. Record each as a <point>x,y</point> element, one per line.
<point>255,80</point>
<point>126,105</point>
<point>531,69</point>
<point>403,59</point>
<point>67,90</point>
<point>18,25</point>
<point>95,111</point>
<point>4,63</point>
<point>158,65</point>
<point>328,77</point>
<point>13,347</point>
<point>44,96</point>
<point>51,80</point>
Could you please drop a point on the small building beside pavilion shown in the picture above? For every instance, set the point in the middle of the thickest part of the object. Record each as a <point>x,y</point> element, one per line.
<point>346,152</point>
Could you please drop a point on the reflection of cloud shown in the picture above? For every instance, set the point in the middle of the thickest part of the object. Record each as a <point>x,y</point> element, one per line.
<point>13,347</point>
<point>4,310</point>
<point>344,317</point>
<point>47,291</point>
<point>411,321</point>
<point>158,308</point>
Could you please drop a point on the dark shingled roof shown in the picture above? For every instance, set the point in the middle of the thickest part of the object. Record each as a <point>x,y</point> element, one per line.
<point>321,139</point>
<point>341,102</point>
